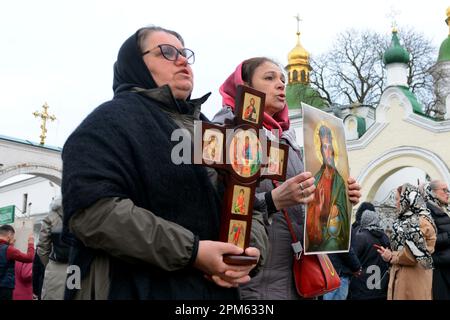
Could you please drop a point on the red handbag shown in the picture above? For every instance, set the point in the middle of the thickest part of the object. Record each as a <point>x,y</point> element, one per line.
<point>314,275</point>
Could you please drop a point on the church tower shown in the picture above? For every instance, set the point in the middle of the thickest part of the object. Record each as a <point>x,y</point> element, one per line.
<point>298,68</point>
<point>396,59</point>
<point>298,62</point>
<point>441,75</point>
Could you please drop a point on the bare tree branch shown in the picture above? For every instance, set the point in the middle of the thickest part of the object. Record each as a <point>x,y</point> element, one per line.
<point>353,70</point>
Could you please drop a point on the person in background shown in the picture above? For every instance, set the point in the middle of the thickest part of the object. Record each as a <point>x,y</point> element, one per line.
<point>436,194</point>
<point>412,243</point>
<point>53,253</point>
<point>8,257</point>
<point>275,280</point>
<point>24,281</point>
<point>38,277</point>
<point>362,207</point>
<point>347,265</point>
<point>373,282</point>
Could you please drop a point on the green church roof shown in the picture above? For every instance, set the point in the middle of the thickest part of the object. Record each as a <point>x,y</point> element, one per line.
<point>296,93</point>
<point>396,53</point>
<point>31,143</point>
<point>361,125</point>
<point>417,107</point>
<point>444,50</point>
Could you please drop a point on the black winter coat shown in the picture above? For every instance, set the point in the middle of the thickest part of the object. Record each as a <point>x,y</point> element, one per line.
<point>123,149</point>
<point>367,286</point>
<point>441,255</point>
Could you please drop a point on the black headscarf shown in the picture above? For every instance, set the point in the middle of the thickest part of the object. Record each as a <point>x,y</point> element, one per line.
<point>130,70</point>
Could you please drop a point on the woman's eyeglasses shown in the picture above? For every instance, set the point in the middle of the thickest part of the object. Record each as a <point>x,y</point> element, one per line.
<point>171,53</point>
<point>445,190</point>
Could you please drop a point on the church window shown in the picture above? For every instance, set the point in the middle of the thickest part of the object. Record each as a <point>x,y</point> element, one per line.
<point>295,75</point>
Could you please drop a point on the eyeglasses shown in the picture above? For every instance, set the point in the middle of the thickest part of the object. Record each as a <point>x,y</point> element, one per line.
<point>443,189</point>
<point>171,53</point>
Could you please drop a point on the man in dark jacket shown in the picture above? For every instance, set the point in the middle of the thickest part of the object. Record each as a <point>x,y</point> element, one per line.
<point>437,193</point>
<point>8,256</point>
<point>142,226</point>
<point>347,265</point>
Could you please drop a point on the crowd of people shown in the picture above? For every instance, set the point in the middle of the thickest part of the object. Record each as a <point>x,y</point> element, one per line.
<point>140,226</point>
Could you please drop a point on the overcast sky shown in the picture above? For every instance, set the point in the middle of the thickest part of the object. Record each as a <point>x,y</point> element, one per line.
<point>62,52</point>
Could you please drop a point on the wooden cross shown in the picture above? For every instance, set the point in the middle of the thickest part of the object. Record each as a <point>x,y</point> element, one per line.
<point>243,155</point>
<point>44,116</point>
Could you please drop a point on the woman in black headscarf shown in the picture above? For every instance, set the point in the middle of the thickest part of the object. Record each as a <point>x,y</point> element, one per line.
<point>143,227</point>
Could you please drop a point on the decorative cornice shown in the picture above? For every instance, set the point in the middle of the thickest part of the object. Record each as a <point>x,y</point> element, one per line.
<point>40,169</point>
<point>425,154</point>
<point>27,144</point>
<point>428,124</point>
<point>22,183</point>
<point>367,137</point>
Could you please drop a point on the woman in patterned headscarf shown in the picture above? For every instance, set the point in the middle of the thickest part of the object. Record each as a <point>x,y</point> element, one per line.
<point>412,243</point>
<point>436,195</point>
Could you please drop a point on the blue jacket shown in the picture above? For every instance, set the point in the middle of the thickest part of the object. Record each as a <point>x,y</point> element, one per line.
<point>7,279</point>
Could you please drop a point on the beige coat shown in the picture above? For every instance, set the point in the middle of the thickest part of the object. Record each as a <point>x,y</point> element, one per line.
<point>408,280</point>
<point>55,272</point>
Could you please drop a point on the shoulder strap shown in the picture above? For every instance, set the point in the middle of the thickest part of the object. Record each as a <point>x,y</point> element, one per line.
<point>296,244</point>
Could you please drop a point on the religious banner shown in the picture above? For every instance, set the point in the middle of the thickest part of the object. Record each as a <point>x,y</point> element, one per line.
<point>24,228</point>
<point>328,216</point>
<point>243,155</point>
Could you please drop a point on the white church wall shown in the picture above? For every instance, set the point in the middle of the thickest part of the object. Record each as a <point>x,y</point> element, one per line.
<point>447,107</point>
<point>39,191</point>
<point>396,74</point>
<point>410,175</point>
<point>404,144</point>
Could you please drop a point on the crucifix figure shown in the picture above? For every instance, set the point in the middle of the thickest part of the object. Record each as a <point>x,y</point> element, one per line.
<point>44,116</point>
<point>243,155</point>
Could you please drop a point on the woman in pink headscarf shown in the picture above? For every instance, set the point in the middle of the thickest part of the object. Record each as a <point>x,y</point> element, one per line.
<point>275,280</point>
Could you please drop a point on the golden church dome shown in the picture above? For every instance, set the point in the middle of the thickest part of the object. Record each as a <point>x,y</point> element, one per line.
<point>298,55</point>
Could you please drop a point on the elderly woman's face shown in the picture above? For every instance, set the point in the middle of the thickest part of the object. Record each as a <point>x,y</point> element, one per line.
<point>177,74</point>
<point>442,193</point>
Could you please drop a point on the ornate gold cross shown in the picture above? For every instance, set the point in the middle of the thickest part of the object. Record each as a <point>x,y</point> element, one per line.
<point>44,116</point>
<point>244,155</point>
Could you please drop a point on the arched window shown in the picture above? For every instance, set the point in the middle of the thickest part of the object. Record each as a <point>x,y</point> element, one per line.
<point>295,75</point>
<point>303,76</point>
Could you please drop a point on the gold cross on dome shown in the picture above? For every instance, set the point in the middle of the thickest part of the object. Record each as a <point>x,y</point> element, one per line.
<point>393,16</point>
<point>297,17</point>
